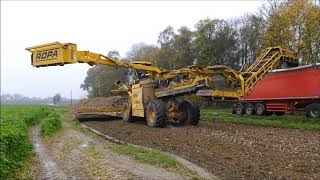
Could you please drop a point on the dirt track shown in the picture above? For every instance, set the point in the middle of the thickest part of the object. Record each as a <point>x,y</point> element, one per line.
<point>71,155</point>
<point>229,151</point>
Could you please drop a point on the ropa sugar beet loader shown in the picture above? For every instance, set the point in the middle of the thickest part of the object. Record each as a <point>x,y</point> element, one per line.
<point>154,93</point>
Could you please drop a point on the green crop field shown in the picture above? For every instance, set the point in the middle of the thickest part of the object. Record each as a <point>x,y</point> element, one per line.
<point>15,146</point>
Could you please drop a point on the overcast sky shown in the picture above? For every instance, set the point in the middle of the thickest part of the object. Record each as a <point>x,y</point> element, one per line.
<point>95,26</point>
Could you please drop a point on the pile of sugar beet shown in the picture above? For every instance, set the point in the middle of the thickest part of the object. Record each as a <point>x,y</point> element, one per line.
<point>100,103</point>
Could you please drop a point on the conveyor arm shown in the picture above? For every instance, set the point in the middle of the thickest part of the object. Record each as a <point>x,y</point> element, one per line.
<point>56,53</point>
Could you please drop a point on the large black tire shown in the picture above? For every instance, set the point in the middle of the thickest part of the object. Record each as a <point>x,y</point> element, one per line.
<point>156,114</point>
<point>239,109</point>
<point>313,110</point>
<point>193,113</point>
<point>248,109</point>
<point>127,113</point>
<point>260,109</point>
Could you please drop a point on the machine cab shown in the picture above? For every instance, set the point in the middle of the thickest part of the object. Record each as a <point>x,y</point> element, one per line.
<point>139,74</point>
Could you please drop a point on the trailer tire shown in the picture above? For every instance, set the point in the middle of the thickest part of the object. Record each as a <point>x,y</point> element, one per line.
<point>193,113</point>
<point>127,113</point>
<point>239,109</point>
<point>156,114</point>
<point>248,109</point>
<point>260,109</point>
<point>313,110</point>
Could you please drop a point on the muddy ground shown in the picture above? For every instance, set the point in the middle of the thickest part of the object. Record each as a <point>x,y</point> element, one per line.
<point>72,154</point>
<point>229,151</point>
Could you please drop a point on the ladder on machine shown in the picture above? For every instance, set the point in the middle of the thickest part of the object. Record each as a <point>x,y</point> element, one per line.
<point>269,59</point>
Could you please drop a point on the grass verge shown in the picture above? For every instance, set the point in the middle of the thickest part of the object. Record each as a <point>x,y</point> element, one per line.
<point>75,124</point>
<point>153,157</point>
<point>288,121</point>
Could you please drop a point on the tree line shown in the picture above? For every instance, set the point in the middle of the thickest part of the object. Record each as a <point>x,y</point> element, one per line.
<point>20,99</point>
<point>291,24</point>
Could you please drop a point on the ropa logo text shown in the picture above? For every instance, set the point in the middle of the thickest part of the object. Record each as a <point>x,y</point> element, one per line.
<point>47,55</point>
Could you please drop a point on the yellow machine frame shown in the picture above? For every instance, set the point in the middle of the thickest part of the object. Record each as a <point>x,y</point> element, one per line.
<point>141,92</point>
<point>144,91</point>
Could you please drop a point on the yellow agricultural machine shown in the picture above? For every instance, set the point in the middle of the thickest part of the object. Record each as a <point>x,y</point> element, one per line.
<point>154,93</point>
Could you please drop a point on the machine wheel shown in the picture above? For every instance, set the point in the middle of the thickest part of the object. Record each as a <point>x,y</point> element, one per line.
<point>156,114</point>
<point>127,113</point>
<point>260,109</point>
<point>193,113</point>
<point>239,109</point>
<point>248,109</point>
<point>313,110</point>
<point>279,113</point>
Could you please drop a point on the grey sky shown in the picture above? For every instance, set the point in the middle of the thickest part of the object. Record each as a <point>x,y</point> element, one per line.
<point>95,26</point>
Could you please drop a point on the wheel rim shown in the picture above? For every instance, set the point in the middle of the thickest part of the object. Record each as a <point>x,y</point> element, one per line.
<point>249,110</point>
<point>314,113</point>
<point>259,110</point>
<point>238,110</point>
<point>151,115</point>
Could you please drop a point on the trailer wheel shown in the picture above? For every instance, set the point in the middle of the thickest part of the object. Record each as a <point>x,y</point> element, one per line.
<point>156,114</point>
<point>248,109</point>
<point>193,113</point>
<point>239,109</point>
<point>279,113</point>
<point>127,113</point>
<point>260,109</point>
<point>313,110</point>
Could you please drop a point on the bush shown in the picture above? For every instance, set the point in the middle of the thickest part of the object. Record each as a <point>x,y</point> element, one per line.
<point>51,124</point>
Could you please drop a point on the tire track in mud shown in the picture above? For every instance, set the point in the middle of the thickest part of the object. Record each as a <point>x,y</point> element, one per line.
<point>48,167</point>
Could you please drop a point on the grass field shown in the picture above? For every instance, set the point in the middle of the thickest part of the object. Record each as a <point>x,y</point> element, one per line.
<point>15,147</point>
<point>298,121</point>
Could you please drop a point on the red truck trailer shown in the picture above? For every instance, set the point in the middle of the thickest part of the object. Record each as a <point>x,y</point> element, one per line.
<point>284,90</point>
